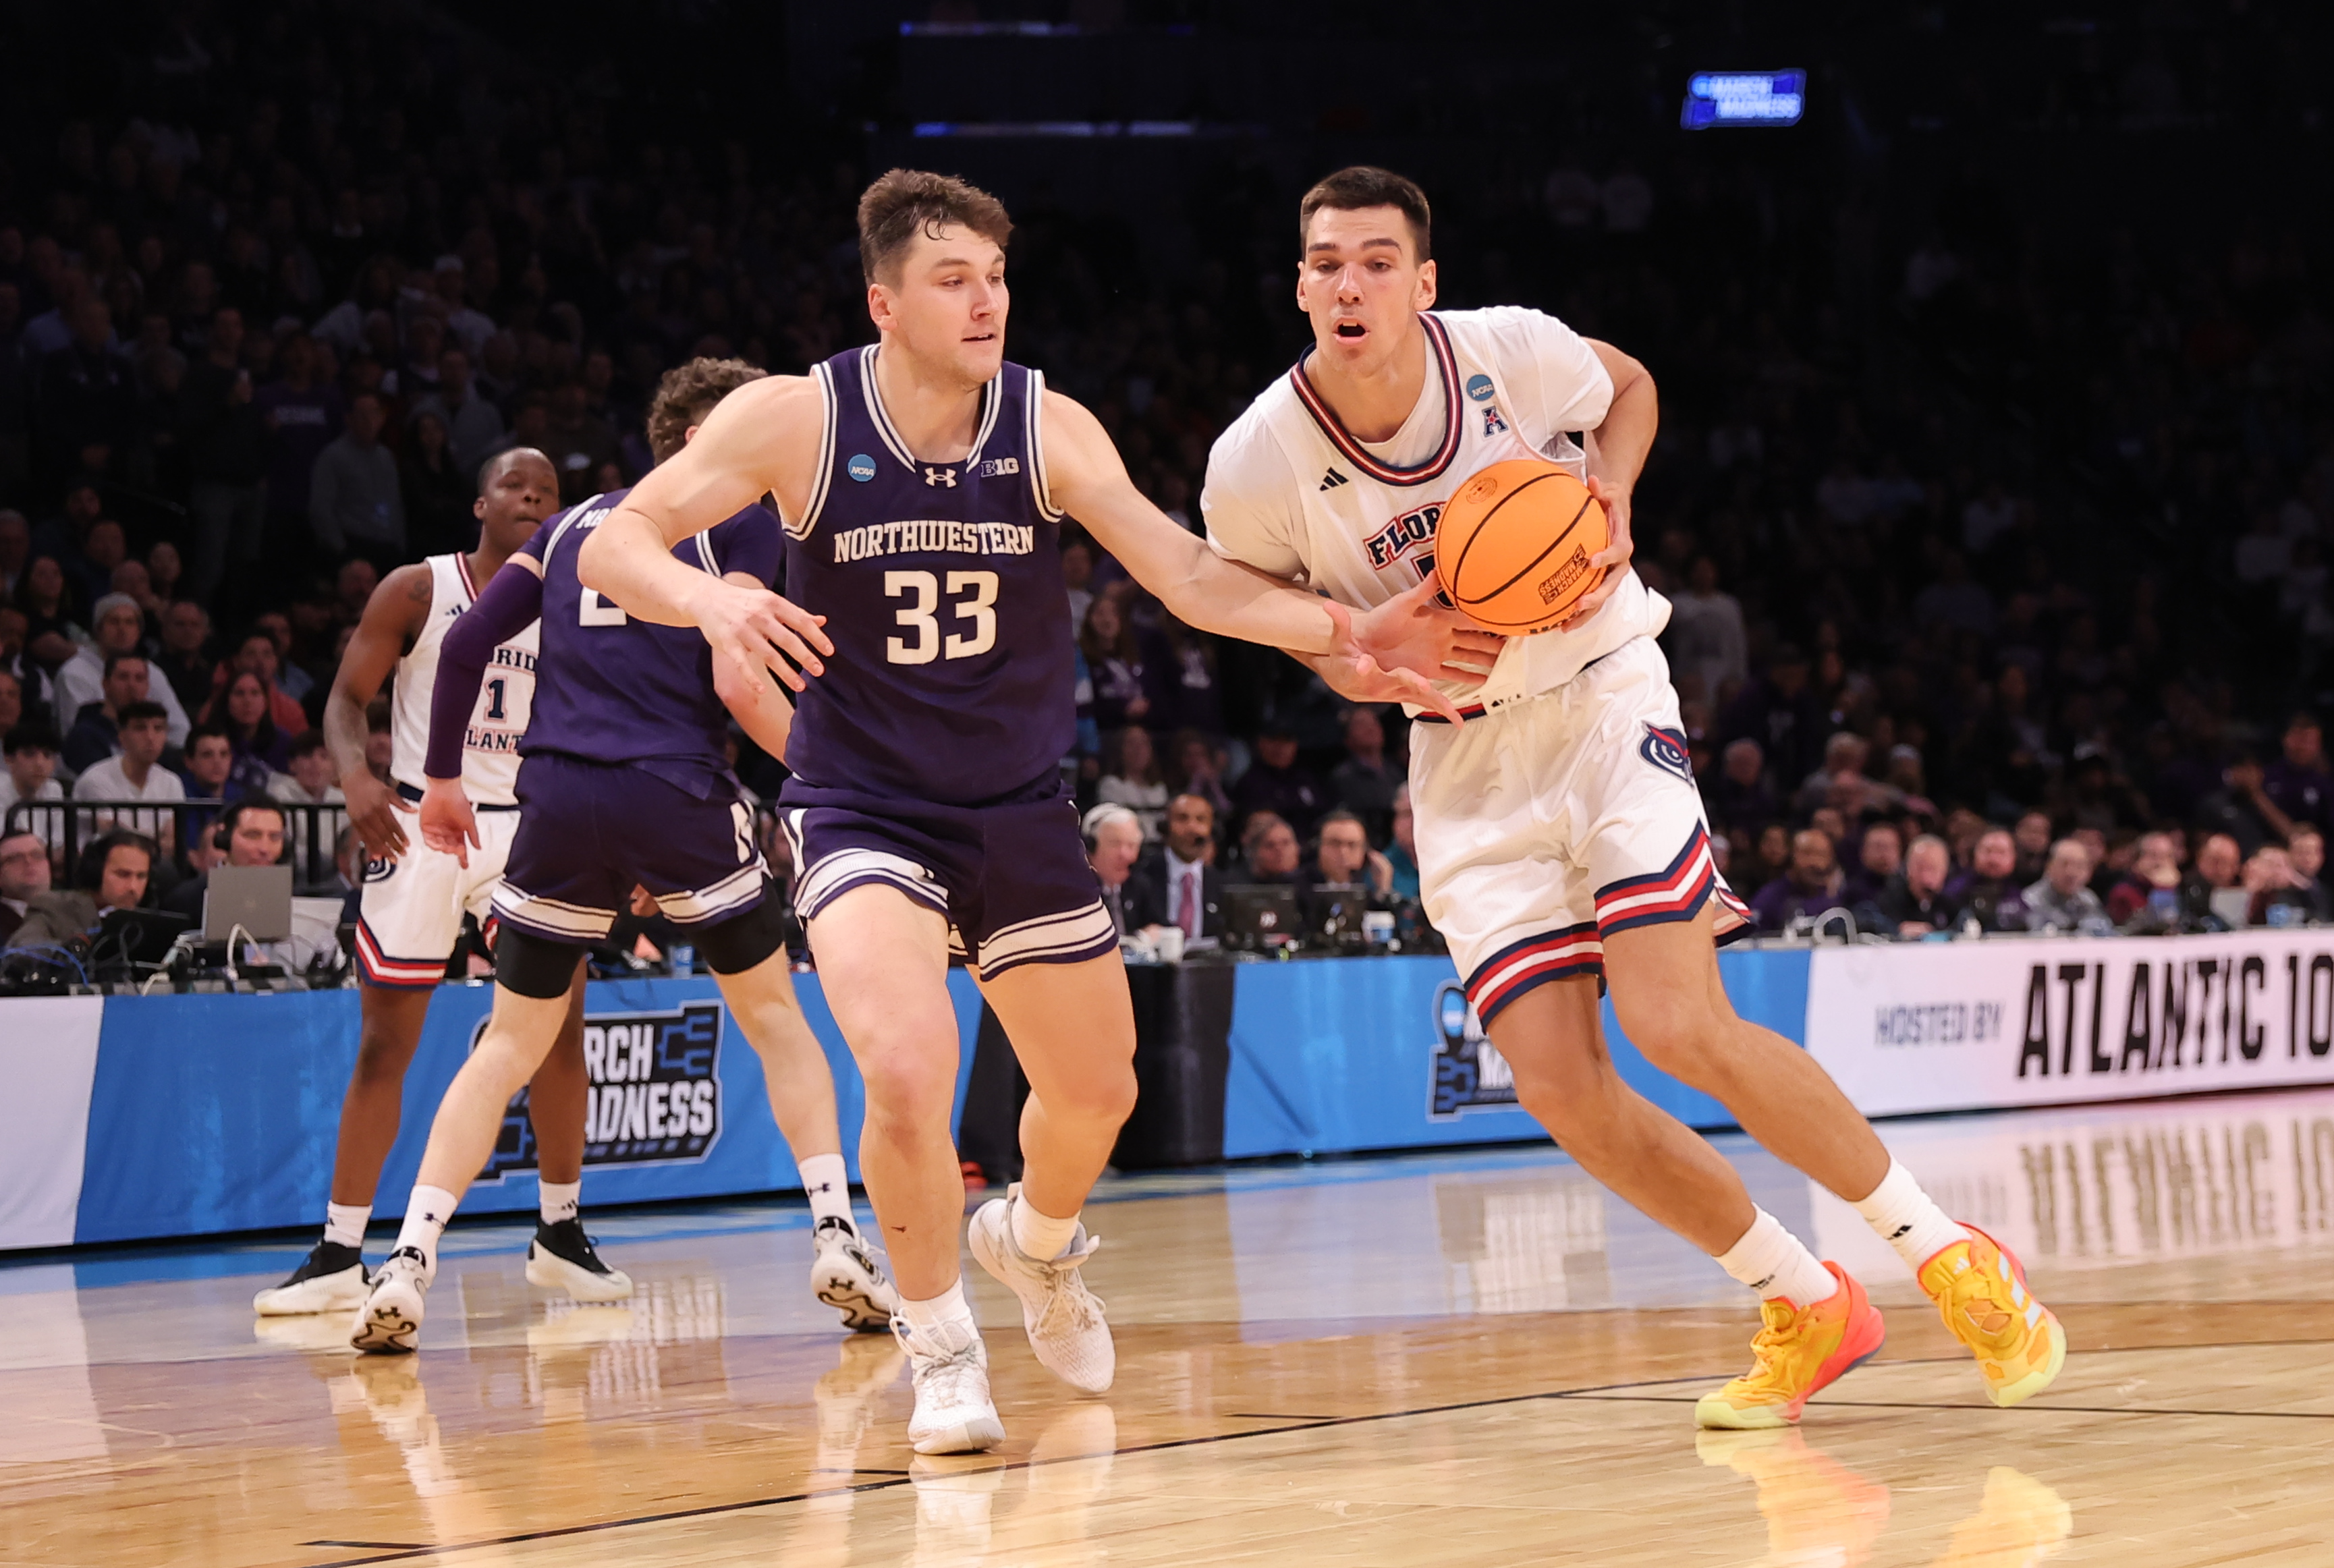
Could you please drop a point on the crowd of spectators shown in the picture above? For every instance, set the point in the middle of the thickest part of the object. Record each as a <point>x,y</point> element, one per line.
<point>1996,539</point>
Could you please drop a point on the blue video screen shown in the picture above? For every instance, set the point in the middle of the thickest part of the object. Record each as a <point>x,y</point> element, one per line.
<point>1747,98</point>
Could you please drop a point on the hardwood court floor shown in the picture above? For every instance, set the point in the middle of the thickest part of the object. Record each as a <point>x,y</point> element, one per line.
<point>1468,1359</point>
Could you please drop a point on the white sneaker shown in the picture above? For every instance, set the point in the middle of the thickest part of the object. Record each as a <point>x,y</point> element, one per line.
<point>330,1279</point>
<point>562,1257</point>
<point>954,1414</point>
<point>845,1274</point>
<point>1064,1319</point>
<point>390,1322</point>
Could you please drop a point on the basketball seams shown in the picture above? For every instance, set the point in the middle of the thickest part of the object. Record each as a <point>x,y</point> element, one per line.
<point>1533,564</point>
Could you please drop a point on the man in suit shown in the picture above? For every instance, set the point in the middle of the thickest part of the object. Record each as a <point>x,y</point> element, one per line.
<point>24,877</point>
<point>1113,836</point>
<point>115,873</point>
<point>1180,886</point>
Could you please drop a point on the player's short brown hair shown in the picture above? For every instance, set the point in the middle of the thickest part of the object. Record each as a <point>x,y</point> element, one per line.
<point>687,395</point>
<point>907,202</point>
<point>1362,185</point>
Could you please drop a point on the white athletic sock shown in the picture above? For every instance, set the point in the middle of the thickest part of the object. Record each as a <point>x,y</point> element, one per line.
<point>1040,1236</point>
<point>828,1186</point>
<point>558,1200</point>
<point>426,1214</point>
<point>941,1324</point>
<point>1908,1219</point>
<point>344,1224</point>
<point>1773,1262</point>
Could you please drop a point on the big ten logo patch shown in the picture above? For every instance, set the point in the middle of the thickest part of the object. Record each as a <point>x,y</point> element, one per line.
<point>1402,535</point>
<point>655,1093</point>
<point>1470,1073</point>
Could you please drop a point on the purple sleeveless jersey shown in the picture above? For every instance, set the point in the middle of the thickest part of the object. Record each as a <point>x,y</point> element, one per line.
<point>610,688</point>
<point>942,584</point>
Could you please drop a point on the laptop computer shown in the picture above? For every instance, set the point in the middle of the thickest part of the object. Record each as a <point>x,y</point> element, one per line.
<point>1261,915</point>
<point>136,938</point>
<point>257,898</point>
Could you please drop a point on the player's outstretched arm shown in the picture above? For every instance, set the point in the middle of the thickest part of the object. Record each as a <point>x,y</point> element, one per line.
<point>1617,450</point>
<point>1089,481</point>
<point>392,616</point>
<point>511,602</point>
<point>762,438</point>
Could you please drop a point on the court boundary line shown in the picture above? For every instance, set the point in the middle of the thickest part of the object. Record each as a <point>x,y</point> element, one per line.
<point>1596,1393</point>
<point>743,1505</point>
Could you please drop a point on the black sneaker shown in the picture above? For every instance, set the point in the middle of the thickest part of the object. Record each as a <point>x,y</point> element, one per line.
<point>330,1278</point>
<point>560,1258</point>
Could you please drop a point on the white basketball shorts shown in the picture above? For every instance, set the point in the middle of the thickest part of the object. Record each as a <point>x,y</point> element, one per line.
<point>1548,824</point>
<point>411,914</point>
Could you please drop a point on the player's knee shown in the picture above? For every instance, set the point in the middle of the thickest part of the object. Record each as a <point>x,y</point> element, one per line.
<point>1105,1096</point>
<point>910,1089</point>
<point>1565,1092</point>
<point>1675,1028</point>
<point>383,1054</point>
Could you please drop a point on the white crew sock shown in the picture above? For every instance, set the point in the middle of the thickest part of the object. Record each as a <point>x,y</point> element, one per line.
<point>941,1324</point>
<point>1773,1262</point>
<point>1040,1236</point>
<point>426,1214</point>
<point>828,1186</point>
<point>344,1224</point>
<point>1908,1219</point>
<point>558,1200</point>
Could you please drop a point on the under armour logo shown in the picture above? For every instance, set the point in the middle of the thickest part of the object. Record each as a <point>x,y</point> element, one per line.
<point>1332,480</point>
<point>941,477</point>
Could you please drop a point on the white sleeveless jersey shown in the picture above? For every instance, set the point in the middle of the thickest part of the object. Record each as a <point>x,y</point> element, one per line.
<point>1291,493</point>
<point>490,744</point>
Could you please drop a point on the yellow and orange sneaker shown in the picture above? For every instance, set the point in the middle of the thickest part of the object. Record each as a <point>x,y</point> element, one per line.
<point>1800,1351</point>
<point>1979,1289</point>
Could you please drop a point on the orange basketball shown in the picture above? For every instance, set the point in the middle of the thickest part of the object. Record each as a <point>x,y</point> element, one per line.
<point>1512,547</point>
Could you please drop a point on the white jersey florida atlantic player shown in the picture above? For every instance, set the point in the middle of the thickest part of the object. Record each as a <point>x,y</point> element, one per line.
<point>1565,808</point>
<point>411,913</point>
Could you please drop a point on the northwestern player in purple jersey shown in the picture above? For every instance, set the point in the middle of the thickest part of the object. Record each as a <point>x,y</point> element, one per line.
<point>624,784</point>
<point>922,482</point>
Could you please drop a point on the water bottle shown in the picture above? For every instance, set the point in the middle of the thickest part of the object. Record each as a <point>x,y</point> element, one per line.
<point>683,958</point>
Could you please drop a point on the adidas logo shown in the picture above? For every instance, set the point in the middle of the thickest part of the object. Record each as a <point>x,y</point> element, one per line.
<point>1332,480</point>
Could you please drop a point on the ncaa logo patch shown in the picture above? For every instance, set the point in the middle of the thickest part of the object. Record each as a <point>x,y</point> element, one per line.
<point>1666,750</point>
<point>1479,387</point>
<point>860,468</point>
<point>655,1095</point>
<point>1470,1073</point>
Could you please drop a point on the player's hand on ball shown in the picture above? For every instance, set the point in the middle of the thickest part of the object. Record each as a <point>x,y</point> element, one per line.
<point>1354,673</point>
<point>751,626</point>
<point>447,825</point>
<point>373,809</point>
<point>1415,632</point>
<point>1613,561</point>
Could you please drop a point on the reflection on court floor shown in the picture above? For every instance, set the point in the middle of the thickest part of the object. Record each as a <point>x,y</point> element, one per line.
<point>1466,1358</point>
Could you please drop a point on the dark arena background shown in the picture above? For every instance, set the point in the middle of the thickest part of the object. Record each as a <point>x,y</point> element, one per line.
<point>1993,503</point>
